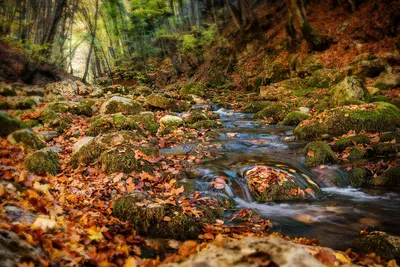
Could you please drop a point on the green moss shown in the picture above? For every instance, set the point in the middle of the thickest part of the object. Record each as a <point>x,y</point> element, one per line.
<point>356,153</point>
<point>387,137</point>
<point>8,92</point>
<point>275,192</point>
<point>120,159</point>
<point>341,144</point>
<point>148,121</point>
<point>379,98</point>
<point>84,108</point>
<point>193,89</point>
<point>375,117</point>
<point>160,101</point>
<point>391,177</point>
<point>149,219</point>
<point>9,124</point>
<point>90,152</point>
<point>318,153</point>
<point>207,124</point>
<point>360,139</point>
<point>255,106</point>
<point>384,149</point>
<point>196,116</point>
<point>58,106</point>
<point>48,116</point>
<point>26,138</point>
<point>108,123</point>
<point>62,122</point>
<point>293,118</point>
<point>125,106</point>
<point>42,161</point>
<point>212,134</point>
<point>379,243</point>
<point>357,177</point>
<point>273,110</point>
<point>188,185</point>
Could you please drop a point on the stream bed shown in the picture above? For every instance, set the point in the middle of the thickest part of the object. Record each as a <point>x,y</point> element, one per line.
<point>335,220</point>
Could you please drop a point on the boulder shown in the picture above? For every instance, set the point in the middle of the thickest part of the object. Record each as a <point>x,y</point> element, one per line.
<point>389,178</point>
<point>294,118</point>
<point>273,184</point>
<point>43,161</point>
<point>9,124</point>
<point>318,153</point>
<point>128,157</point>
<point>109,123</point>
<point>195,116</point>
<point>374,117</point>
<point>81,142</point>
<point>147,120</point>
<point>380,243</point>
<point>251,252</point>
<point>387,80</point>
<point>171,121</point>
<point>67,88</point>
<point>206,124</point>
<point>92,150</point>
<point>117,104</point>
<point>27,139</point>
<point>193,89</point>
<point>255,106</point>
<point>367,68</point>
<point>157,219</point>
<point>350,89</point>
<point>163,102</point>
<point>357,177</point>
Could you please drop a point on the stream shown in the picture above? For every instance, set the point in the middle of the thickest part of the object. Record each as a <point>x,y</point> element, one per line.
<point>335,220</point>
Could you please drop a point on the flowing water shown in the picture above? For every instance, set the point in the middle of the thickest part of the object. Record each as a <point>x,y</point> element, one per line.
<point>334,219</point>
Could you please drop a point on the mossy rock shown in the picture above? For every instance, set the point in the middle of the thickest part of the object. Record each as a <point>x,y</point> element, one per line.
<point>384,149</point>
<point>380,243</point>
<point>188,185</point>
<point>388,137</point>
<point>148,121</point>
<point>270,184</point>
<point>350,89</point>
<point>9,124</point>
<point>356,153</point>
<point>109,123</point>
<point>255,106</point>
<point>169,121</point>
<point>83,108</point>
<point>25,104</point>
<point>273,110</point>
<point>59,106</point>
<point>196,116</point>
<point>293,118</point>
<point>206,124</point>
<point>163,102</point>
<point>90,152</point>
<point>324,78</point>
<point>387,80</point>
<point>341,144</point>
<point>162,220</point>
<point>193,89</point>
<point>212,134</point>
<point>47,116</point>
<point>318,153</point>
<point>128,157</point>
<point>43,161</point>
<point>221,103</point>
<point>379,98</point>
<point>117,104</point>
<point>367,68</point>
<point>6,91</point>
<point>357,177</point>
<point>62,122</point>
<point>375,117</point>
<point>27,139</point>
<point>391,177</point>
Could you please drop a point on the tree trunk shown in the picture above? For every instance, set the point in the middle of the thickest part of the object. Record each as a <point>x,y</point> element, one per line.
<point>235,15</point>
<point>310,35</point>
<point>91,43</point>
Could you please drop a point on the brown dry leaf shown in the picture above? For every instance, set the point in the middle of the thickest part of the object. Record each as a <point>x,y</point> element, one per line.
<point>131,262</point>
<point>325,257</point>
<point>167,218</point>
<point>2,190</point>
<point>392,263</point>
<point>174,244</point>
